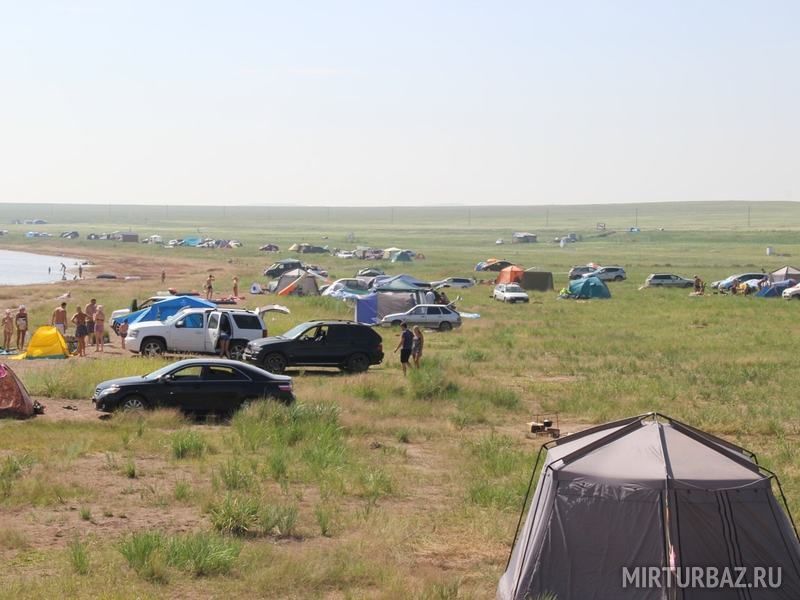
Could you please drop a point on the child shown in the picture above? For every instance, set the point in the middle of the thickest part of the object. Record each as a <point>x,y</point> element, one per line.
<point>123,331</point>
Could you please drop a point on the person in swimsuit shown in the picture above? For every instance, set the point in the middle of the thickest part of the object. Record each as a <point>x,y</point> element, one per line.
<point>79,319</point>
<point>404,345</point>
<point>8,329</point>
<point>59,318</point>
<point>209,286</point>
<point>416,346</point>
<point>99,329</point>
<point>21,322</point>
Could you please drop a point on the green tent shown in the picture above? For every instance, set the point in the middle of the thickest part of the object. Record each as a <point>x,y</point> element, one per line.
<point>588,287</point>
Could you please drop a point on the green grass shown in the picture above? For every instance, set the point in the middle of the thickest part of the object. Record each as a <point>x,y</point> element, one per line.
<point>78,556</point>
<point>376,485</point>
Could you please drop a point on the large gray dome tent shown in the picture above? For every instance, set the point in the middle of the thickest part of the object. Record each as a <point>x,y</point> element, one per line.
<point>648,491</point>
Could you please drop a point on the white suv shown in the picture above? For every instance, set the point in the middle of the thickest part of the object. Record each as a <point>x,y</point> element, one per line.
<point>196,330</point>
<point>607,274</point>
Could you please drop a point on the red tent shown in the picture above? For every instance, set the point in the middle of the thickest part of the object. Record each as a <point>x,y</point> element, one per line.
<point>512,274</point>
<point>14,398</point>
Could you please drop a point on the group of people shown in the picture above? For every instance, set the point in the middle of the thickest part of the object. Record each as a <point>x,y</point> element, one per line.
<point>15,321</point>
<point>410,346</point>
<point>89,322</point>
<point>208,287</point>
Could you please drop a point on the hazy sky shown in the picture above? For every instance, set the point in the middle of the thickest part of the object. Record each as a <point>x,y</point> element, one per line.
<point>412,102</point>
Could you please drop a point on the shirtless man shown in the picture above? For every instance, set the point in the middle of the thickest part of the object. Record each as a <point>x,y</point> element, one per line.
<point>59,318</point>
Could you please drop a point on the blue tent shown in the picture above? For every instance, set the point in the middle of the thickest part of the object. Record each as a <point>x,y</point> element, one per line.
<point>398,283</point>
<point>367,309</point>
<point>776,289</point>
<point>588,287</point>
<point>166,308</point>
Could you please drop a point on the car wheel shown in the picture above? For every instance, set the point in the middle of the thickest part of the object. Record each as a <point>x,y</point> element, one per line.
<point>618,278</point>
<point>153,347</point>
<point>445,326</point>
<point>275,363</point>
<point>358,363</point>
<point>134,402</point>
<point>236,351</point>
<point>397,323</point>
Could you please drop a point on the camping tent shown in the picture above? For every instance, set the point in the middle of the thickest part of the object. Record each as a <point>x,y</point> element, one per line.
<point>648,491</point>
<point>784,273</point>
<point>14,398</point>
<point>776,289</point>
<point>398,283</point>
<point>159,311</point>
<point>372,308</point>
<point>588,287</point>
<point>297,282</point>
<point>541,281</point>
<point>404,256</point>
<point>46,342</point>
<point>510,274</point>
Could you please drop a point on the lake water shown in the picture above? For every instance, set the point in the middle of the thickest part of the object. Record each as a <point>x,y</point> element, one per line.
<point>25,268</point>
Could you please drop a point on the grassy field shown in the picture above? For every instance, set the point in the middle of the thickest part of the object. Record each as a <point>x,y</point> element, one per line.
<point>375,485</point>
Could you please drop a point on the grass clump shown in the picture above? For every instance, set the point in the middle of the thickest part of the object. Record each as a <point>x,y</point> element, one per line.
<point>430,382</point>
<point>78,556</point>
<point>183,491</point>
<point>188,444</point>
<point>10,470</point>
<point>130,469</point>
<point>144,553</point>
<point>235,476</point>
<point>203,554</point>
<point>85,513</point>
<point>236,515</point>
<point>279,519</point>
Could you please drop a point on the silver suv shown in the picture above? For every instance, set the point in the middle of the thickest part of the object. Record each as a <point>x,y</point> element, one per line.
<point>607,274</point>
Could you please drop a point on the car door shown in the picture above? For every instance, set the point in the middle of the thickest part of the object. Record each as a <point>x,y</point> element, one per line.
<point>188,333</point>
<point>226,387</point>
<point>417,316</point>
<point>212,331</point>
<point>305,349</point>
<point>183,388</point>
<point>337,345</point>
<point>433,316</point>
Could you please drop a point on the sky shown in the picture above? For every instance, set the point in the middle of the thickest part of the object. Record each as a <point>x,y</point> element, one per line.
<point>441,102</point>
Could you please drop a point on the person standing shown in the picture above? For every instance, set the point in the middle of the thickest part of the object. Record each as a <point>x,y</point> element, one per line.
<point>404,345</point>
<point>99,329</point>
<point>8,329</point>
<point>236,287</point>
<point>163,275</point>
<point>90,310</point>
<point>21,322</point>
<point>79,319</point>
<point>209,286</point>
<point>59,318</point>
<point>416,345</point>
<point>80,271</point>
<point>122,331</point>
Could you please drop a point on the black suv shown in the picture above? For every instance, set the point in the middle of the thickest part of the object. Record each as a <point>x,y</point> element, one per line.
<point>344,344</point>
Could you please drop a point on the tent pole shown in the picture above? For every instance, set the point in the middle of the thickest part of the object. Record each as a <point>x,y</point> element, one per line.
<point>524,503</point>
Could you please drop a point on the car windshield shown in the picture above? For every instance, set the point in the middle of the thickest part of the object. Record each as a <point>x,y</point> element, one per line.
<point>513,288</point>
<point>295,331</point>
<point>159,372</point>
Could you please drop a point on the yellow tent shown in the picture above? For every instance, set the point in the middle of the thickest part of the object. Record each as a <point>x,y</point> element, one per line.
<point>47,342</point>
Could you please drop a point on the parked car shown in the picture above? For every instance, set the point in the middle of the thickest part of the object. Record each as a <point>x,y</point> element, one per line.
<point>196,330</point>
<point>454,282</point>
<point>282,266</point>
<point>196,385</point>
<point>727,283</point>
<point>434,316</point>
<point>345,344</point>
<point>792,293</point>
<point>607,274</point>
<point>668,280</point>
<point>510,292</point>
<point>345,254</point>
<point>577,271</point>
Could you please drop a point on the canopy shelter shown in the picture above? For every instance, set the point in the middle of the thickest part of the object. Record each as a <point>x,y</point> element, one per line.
<point>398,283</point>
<point>785,273</point>
<point>15,401</point>
<point>648,491</point>
<point>541,281</point>
<point>160,311</point>
<point>511,274</point>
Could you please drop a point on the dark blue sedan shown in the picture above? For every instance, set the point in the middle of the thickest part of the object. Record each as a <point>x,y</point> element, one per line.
<point>195,385</point>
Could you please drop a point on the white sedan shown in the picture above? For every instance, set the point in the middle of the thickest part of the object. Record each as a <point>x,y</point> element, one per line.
<point>791,293</point>
<point>510,292</point>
